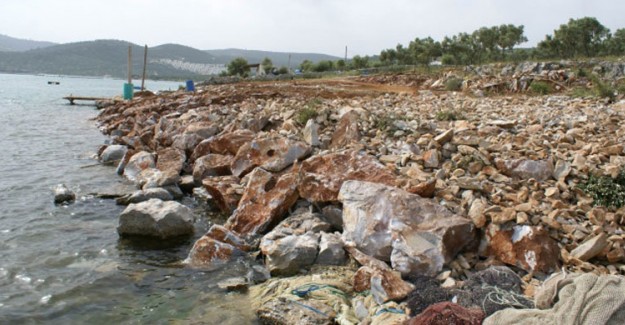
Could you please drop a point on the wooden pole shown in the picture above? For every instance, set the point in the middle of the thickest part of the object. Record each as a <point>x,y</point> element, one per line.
<point>129,64</point>
<point>145,63</point>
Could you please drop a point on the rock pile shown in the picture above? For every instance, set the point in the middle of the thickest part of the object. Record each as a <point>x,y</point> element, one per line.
<point>406,182</point>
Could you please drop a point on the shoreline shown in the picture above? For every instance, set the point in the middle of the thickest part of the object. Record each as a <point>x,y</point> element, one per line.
<point>291,163</point>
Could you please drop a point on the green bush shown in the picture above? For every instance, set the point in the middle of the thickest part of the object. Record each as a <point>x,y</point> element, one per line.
<point>449,115</point>
<point>540,88</point>
<point>308,111</point>
<point>453,84</point>
<point>602,89</point>
<point>606,191</point>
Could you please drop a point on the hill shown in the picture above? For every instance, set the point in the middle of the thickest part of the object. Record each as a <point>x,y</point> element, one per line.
<point>12,44</point>
<point>278,58</point>
<point>108,58</point>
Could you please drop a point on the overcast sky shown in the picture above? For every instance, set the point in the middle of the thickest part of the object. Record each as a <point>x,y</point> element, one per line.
<point>324,26</point>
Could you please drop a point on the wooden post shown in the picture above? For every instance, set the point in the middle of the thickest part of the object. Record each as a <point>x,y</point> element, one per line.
<point>145,63</point>
<point>129,64</point>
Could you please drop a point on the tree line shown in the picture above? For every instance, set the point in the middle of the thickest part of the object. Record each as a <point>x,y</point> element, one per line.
<point>579,38</point>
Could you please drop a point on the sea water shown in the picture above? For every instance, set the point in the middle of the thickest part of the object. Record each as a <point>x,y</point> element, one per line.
<point>66,264</point>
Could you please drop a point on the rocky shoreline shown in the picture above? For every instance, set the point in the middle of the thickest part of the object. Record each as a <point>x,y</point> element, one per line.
<point>374,200</point>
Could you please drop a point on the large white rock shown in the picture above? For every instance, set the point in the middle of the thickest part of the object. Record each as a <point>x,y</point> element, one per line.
<point>63,194</point>
<point>415,234</point>
<point>113,154</point>
<point>155,218</point>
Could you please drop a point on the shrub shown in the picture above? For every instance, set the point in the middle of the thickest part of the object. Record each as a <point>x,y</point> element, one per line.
<point>308,111</point>
<point>453,84</point>
<point>602,89</point>
<point>449,115</point>
<point>386,123</point>
<point>606,191</point>
<point>540,88</point>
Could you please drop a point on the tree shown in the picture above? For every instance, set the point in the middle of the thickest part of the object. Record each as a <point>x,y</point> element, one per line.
<point>267,65</point>
<point>306,66</point>
<point>579,37</point>
<point>616,43</point>
<point>323,66</point>
<point>340,64</point>
<point>283,70</point>
<point>509,36</point>
<point>359,62</point>
<point>424,50</point>
<point>238,67</point>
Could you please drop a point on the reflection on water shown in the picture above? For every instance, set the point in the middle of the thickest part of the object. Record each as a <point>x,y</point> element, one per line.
<point>66,264</point>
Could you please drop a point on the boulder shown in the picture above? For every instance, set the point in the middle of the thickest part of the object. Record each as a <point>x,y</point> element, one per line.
<point>530,248</point>
<point>384,283</point>
<point>331,250</point>
<point>540,170</point>
<point>294,243</point>
<point>227,143</point>
<point>414,233</point>
<point>203,129</point>
<point>155,218</point>
<point>311,133</point>
<point>347,131</point>
<point>145,195</point>
<point>186,142</point>
<point>287,255</point>
<point>113,154</point>
<point>265,201</point>
<point>62,194</point>
<point>273,154</point>
<point>138,162</point>
<point>223,191</point>
<point>170,161</point>
<point>210,253</point>
<point>211,165</point>
<point>323,175</point>
<point>220,233</point>
<point>152,177</point>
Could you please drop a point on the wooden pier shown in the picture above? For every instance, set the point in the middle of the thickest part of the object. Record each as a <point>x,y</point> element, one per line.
<point>83,98</point>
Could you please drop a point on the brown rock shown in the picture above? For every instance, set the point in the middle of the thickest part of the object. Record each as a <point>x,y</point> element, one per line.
<point>265,201</point>
<point>346,131</point>
<point>431,158</point>
<point>425,189</point>
<point>203,129</point>
<point>447,313</point>
<point>385,284</point>
<point>211,165</point>
<point>170,161</point>
<point>323,175</point>
<point>444,137</point>
<point>590,248</point>
<point>540,170</point>
<point>508,214</point>
<point>220,233</point>
<point>362,279</point>
<point>273,154</point>
<point>209,252</point>
<point>222,189</point>
<point>527,247</point>
<point>229,143</point>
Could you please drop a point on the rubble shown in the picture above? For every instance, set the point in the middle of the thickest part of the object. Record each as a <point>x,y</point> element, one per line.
<point>408,188</point>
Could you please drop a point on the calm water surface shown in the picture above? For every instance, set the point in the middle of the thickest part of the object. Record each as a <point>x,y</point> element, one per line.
<point>66,264</point>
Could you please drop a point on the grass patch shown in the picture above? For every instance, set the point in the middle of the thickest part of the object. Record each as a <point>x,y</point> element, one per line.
<point>387,124</point>
<point>453,84</point>
<point>449,115</point>
<point>582,92</point>
<point>606,191</point>
<point>309,111</point>
<point>602,89</point>
<point>540,88</point>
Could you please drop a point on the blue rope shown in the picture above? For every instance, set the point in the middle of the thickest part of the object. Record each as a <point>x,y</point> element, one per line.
<point>309,308</point>
<point>389,310</point>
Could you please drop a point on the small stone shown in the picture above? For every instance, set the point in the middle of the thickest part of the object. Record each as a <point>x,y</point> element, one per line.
<point>234,284</point>
<point>508,214</point>
<point>476,213</point>
<point>310,133</point>
<point>448,283</point>
<point>431,158</point>
<point>444,137</point>
<point>62,194</point>
<point>590,248</point>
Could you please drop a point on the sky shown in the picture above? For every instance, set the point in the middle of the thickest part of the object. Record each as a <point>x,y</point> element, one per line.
<point>322,26</point>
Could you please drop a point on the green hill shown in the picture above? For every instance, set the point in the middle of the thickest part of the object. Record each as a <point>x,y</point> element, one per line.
<point>109,58</point>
